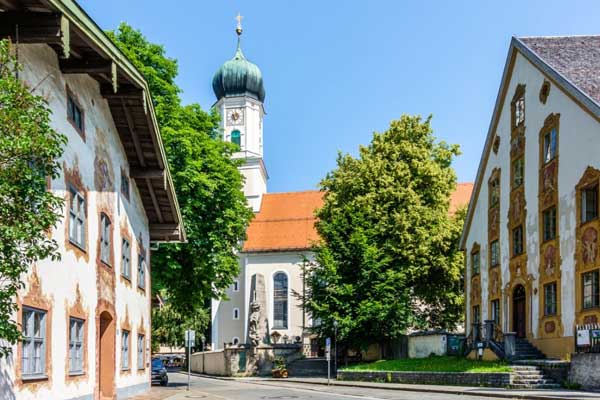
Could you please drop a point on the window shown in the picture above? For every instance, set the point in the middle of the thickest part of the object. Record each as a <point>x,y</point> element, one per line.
<point>280,301</point>
<point>475,263</point>
<point>236,313</point>
<point>494,192</point>
<point>496,311</point>
<point>517,173</point>
<point>517,236</point>
<point>550,299</point>
<point>519,111</point>
<point>494,253</point>
<point>77,219</point>
<point>476,316</point>
<point>549,217</point>
<point>104,239</point>
<point>236,138</point>
<point>75,346</point>
<point>235,341</point>
<point>126,258</point>
<point>124,350</point>
<point>236,285</point>
<point>549,145</point>
<point>75,114</point>
<point>591,298</point>
<point>589,204</point>
<point>124,184</point>
<point>33,359</point>
<point>141,275</point>
<point>140,352</point>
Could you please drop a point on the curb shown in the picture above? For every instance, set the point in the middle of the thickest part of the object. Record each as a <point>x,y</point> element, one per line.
<point>459,392</point>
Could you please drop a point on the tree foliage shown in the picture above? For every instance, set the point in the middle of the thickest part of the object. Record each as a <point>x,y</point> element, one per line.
<point>207,182</point>
<point>29,149</point>
<point>389,258</point>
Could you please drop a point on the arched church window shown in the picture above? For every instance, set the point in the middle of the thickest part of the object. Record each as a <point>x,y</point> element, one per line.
<point>236,138</point>
<point>280,301</point>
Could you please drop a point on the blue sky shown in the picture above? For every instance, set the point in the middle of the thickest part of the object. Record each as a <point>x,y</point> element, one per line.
<point>336,71</point>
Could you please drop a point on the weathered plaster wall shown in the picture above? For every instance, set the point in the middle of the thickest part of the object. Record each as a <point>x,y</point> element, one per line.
<point>577,149</point>
<point>59,280</point>
<point>423,346</point>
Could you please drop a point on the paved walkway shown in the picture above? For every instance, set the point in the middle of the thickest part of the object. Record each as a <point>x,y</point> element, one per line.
<point>316,388</point>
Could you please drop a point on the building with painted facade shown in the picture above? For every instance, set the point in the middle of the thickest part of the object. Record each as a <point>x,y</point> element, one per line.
<point>531,234</point>
<point>86,318</point>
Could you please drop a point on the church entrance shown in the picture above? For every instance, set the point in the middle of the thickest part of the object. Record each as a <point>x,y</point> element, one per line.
<point>519,311</point>
<point>106,355</point>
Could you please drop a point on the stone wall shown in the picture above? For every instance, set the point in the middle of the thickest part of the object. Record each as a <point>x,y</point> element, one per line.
<point>491,379</point>
<point>585,370</point>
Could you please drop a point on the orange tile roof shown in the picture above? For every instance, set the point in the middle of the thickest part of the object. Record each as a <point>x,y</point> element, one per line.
<point>461,196</point>
<point>286,221</point>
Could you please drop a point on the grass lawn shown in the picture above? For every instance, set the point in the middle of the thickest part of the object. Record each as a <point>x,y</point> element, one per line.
<point>433,364</point>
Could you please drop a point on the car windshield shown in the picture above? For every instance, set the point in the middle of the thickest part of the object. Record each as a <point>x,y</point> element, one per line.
<point>156,363</point>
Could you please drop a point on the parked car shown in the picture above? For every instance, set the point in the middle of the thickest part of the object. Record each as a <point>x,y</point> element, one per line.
<point>159,372</point>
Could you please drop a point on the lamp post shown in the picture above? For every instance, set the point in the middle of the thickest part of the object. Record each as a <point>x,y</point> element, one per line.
<point>335,326</point>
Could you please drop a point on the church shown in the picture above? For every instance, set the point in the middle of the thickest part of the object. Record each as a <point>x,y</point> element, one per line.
<point>531,233</point>
<point>282,233</point>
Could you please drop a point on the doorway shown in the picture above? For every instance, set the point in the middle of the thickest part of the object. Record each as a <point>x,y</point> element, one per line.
<point>519,311</point>
<point>106,355</point>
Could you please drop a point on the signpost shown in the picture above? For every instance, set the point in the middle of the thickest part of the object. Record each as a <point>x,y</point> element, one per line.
<point>328,355</point>
<point>190,338</point>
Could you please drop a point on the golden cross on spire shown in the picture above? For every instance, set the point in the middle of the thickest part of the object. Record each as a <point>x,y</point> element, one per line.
<point>239,24</point>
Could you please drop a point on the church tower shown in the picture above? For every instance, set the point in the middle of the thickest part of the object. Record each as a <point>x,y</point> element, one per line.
<point>238,86</point>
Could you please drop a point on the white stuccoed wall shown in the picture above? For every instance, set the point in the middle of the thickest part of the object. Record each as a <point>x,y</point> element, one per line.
<point>577,149</point>
<point>59,279</point>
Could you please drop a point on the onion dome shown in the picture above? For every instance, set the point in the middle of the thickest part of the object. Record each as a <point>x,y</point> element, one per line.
<point>238,77</point>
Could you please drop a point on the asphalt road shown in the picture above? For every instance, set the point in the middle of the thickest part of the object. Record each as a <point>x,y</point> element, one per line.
<point>213,389</point>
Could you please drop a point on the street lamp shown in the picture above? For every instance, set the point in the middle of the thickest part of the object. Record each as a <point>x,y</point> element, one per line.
<point>335,326</point>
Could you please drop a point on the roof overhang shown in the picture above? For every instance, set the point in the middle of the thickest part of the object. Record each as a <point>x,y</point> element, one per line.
<point>83,48</point>
<point>583,99</point>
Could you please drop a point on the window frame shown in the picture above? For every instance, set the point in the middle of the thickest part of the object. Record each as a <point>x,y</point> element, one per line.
<point>236,285</point>
<point>141,358</point>
<point>549,144</point>
<point>125,349</point>
<point>475,267</point>
<point>238,142</point>
<point>28,343</point>
<point>550,307</point>
<point>550,211</point>
<point>594,289</point>
<point>126,258</point>
<point>77,218</point>
<point>494,255</point>
<point>141,272</point>
<point>476,315</point>
<point>518,239</point>
<point>281,301</point>
<point>105,239</point>
<point>76,343</point>
<point>495,311</point>
<point>584,206</point>
<point>236,313</point>
<point>72,105</point>
<point>518,162</point>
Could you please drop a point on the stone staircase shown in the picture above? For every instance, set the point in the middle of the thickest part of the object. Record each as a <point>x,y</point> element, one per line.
<point>526,351</point>
<point>308,367</point>
<point>531,377</point>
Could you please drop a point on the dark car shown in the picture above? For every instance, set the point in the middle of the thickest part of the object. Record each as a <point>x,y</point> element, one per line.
<point>159,372</point>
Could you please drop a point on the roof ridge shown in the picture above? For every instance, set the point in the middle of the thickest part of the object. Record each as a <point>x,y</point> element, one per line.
<point>558,36</point>
<point>288,193</point>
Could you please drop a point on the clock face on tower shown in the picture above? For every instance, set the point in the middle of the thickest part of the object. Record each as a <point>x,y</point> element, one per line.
<point>235,116</point>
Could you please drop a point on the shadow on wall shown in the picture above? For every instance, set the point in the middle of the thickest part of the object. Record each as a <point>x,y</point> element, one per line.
<point>6,382</point>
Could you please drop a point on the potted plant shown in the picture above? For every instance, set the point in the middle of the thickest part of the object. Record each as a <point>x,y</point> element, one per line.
<point>279,368</point>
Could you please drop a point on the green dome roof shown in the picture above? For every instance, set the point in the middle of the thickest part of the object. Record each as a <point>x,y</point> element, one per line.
<point>238,77</point>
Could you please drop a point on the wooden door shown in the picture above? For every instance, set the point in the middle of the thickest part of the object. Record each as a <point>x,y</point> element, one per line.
<point>519,311</point>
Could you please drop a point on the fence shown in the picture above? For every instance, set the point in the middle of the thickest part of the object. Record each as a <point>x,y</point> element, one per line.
<point>587,338</point>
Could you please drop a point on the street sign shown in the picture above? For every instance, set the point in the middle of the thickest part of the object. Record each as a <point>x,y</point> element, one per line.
<point>190,338</point>
<point>328,355</point>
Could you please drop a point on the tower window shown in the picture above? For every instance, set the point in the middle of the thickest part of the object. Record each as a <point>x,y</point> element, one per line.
<point>236,137</point>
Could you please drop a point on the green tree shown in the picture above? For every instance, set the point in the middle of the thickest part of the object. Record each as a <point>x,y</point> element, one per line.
<point>389,257</point>
<point>29,150</point>
<point>207,182</point>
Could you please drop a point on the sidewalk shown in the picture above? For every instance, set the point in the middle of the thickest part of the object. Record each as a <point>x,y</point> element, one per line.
<point>541,394</point>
